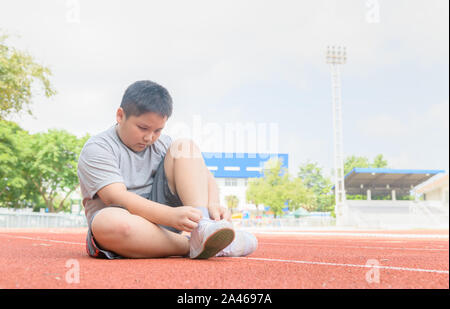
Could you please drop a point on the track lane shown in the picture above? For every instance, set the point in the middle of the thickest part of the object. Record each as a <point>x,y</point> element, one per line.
<point>38,260</point>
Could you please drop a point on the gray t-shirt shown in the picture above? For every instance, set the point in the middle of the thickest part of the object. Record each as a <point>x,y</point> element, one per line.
<point>104,160</point>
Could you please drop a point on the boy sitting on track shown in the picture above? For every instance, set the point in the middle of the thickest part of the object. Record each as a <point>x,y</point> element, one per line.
<point>141,190</point>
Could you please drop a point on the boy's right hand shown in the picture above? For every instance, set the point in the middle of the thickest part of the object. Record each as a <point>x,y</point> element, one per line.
<point>186,218</point>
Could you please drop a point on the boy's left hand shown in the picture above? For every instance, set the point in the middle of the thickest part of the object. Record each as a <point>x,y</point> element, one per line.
<point>220,213</point>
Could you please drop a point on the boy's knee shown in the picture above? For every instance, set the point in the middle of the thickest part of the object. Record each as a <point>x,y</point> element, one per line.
<point>122,230</point>
<point>118,230</point>
<point>110,226</point>
<point>114,236</point>
<point>185,148</point>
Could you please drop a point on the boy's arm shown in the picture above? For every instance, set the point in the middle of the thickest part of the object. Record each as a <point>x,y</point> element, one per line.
<point>181,218</point>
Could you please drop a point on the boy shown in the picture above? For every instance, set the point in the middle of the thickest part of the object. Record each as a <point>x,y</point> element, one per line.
<point>141,190</point>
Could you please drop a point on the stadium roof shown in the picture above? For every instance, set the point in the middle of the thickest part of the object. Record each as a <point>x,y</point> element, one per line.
<point>381,181</point>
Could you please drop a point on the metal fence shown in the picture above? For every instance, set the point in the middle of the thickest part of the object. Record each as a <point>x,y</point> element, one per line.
<point>12,219</point>
<point>396,214</point>
<point>40,220</point>
<point>286,223</point>
<point>359,214</point>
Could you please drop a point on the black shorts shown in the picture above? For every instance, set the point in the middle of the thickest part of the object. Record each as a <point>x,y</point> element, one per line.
<point>160,193</point>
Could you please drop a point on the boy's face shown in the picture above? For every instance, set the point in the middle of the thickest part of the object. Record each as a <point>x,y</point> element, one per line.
<point>139,132</point>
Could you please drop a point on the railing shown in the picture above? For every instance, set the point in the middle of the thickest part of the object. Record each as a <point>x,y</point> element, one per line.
<point>358,214</point>
<point>285,223</point>
<point>396,214</point>
<point>21,219</point>
<point>40,220</point>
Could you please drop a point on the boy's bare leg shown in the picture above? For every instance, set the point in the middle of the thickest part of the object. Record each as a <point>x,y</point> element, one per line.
<point>132,236</point>
<point>186,173</point>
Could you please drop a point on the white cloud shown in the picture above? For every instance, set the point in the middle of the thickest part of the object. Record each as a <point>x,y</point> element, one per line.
<point>411,123</point>
<point>383,126</point>
<point>404,160</point>
<point>438,116</point>
<point>415,139</point>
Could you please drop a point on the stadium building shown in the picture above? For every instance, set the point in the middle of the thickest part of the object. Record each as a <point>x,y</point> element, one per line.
<point>435,189</point>
<point>233,170</point>
<point>386,198</point>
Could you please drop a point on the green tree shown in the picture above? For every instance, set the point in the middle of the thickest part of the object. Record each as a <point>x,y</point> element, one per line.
<point>352,162</point>
<point>18,74</point>
<point>277,179</point>
<point>298,195</point>
<point>379,162</point>
<point>312,176</point>
<point>38,169</point>
<point>50,163</point>
<point>12,183</point>
<point>267,190</point>
<point>232,202</point>
<point>277,188</point>
<point>256,191</point>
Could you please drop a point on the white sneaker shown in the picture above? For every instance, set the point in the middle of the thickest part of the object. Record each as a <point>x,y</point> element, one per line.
<point>209,238</point>
<point>243,244</point>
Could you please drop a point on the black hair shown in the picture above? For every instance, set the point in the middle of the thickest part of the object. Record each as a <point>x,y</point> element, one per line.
<point>146,96</point>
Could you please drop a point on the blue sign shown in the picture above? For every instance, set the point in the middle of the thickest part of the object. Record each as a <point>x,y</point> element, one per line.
<point>240,165</point>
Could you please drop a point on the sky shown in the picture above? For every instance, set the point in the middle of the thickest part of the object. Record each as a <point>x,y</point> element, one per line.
<point>254,67</point>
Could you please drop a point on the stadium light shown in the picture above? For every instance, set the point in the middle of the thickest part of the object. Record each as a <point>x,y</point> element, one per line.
<point>335,57</point>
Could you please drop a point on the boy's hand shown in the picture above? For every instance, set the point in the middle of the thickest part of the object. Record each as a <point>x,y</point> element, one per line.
<point>220,213</point>
<point>186,218</point>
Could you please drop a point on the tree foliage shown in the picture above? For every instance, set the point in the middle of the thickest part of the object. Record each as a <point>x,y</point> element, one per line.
<point>51,162</point>
<point>12,183</point>
<point>232,201</point>
<point>312,175</point>
<point>311,189</point>
<point>37,167</point>
<point>277,189</point>
<point>352,162</point>
<point>19,73</point>
<point>298,195</point>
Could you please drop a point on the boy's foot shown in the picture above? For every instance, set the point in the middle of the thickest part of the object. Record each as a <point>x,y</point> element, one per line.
<point>243,244</point>
<point>209,238</point>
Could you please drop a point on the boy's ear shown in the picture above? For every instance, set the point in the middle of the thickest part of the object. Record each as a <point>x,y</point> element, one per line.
<point>120,115</point>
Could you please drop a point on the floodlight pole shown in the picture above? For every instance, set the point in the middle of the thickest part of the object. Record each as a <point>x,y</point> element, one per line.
<point>336,56</point>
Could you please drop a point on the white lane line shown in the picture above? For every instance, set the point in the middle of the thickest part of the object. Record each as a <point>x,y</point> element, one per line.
<point>41,239</point>
<point>439,236</point>
<point>356,247</point>
<point>266,243</point>
<point>347,265</point>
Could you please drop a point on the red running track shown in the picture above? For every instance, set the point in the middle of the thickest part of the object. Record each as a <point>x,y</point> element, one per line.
<point>297,260</point>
